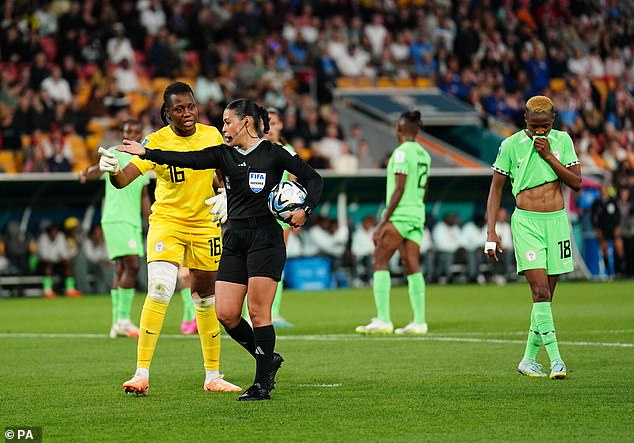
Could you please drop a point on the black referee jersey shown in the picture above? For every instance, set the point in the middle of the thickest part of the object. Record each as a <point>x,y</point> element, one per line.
<point>249,175</point>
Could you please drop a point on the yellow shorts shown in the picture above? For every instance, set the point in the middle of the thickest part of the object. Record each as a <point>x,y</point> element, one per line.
<point>193,248</point>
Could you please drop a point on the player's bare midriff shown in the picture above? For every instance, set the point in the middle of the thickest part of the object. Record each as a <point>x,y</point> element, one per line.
<point>545,198</point>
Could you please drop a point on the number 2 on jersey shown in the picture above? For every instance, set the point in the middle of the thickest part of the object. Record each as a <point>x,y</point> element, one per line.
<point>423,169</point>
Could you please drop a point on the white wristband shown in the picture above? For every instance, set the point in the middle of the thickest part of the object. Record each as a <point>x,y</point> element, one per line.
<point>489,246</point>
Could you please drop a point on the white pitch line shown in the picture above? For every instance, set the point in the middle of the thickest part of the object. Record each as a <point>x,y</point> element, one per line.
<point>332,337</point>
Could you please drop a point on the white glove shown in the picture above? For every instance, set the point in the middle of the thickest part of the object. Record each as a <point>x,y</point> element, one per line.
<point>108,162</point>
<point>218,205</point>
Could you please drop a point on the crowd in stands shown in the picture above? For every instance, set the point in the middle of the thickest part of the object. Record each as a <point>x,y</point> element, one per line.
<point>71,70</point>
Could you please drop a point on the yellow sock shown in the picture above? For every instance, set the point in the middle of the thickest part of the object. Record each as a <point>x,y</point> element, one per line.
<point>209,331</point>
<point>152,317</point>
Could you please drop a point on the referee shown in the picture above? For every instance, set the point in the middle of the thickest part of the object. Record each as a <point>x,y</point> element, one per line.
<point>253,254</point>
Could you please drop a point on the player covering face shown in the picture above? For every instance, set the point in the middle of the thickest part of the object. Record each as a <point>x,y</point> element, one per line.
<point>538,160</point>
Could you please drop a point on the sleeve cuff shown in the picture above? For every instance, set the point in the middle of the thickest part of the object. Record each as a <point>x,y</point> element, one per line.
<point>499,170</point>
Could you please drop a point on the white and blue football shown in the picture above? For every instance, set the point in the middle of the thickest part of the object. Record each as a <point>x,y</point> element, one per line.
<point>286,197</point>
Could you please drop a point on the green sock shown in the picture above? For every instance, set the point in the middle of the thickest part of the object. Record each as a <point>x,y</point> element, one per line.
<point>126,297</point>
<point>47,283</point>
<point>546,327</point>
<point>114,295</point>
<point>381,289</point>
<point>189,312</point>
<point>416,289</point>
<point>245,309</point>
<point>277,301</point>
<point>69,283</point>
<point>534,341</point>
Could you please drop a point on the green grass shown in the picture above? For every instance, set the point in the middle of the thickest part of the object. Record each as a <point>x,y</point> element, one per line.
<point>456,384</point>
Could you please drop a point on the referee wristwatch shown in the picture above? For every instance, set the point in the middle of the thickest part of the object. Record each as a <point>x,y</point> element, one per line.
<point>308,210</point>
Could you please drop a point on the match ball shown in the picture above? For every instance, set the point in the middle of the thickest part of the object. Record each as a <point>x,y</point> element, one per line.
<point>286,197</point>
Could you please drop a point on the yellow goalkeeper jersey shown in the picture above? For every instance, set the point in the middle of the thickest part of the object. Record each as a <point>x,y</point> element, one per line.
<point>181,192</point>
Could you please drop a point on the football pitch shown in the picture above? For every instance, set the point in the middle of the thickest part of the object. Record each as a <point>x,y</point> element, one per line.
<point>59,371</point>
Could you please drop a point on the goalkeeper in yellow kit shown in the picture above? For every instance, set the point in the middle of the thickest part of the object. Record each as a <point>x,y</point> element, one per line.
<point>181,232</point>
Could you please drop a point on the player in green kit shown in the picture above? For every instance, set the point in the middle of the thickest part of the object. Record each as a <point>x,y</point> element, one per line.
<point>401,228</point>
<point>538,160</point>
<point>275,135</point>
<point>122,229</point>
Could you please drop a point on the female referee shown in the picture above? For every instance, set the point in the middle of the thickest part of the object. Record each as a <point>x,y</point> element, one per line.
<point>253,254</point>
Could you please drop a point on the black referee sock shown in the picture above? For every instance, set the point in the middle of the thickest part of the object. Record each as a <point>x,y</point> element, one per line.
<point>243,334</point>
<point>264,346</point>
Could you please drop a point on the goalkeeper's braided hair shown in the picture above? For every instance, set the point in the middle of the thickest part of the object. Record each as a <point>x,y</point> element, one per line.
<point>173,88</point>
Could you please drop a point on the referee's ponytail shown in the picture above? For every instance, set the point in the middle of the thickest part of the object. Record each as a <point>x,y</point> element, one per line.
<point>243,107</point>
<point>173,88</point>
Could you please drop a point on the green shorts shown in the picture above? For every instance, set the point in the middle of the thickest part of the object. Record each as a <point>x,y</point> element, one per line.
<point>542,241</point>
<point>409,231</point>
<point>123,239</point>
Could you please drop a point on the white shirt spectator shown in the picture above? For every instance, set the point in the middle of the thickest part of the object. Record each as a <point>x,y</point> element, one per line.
<point>376,34</point>
<point>597,68</point>
<point>127,80</point>
<point>362,243</point>
<point>57,87</point>
<point>94,252</point>
<point>153,17</point>
<point>52,250</point>
<point>579,64</point>
<point>503,230</point>
<point>118,49</point>
<point>294,244</point>
<point>473,237</point>
<point>426,245</point>
<point>208,89</point>
<point>446,238</point>
<point>355,63</point>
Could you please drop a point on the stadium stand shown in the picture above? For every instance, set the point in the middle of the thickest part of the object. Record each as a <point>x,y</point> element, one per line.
<point>485,58</point>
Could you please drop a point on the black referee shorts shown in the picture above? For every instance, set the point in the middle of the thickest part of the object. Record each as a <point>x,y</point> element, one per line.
<point>251,249</point>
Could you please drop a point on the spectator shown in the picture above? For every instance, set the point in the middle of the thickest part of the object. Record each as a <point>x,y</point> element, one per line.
<point>57,86</point>
<point>17,248</point>
<point>119,47</point>
<point>59,154</point>
<point>362,249</point>
<point>98,264</point>
<point>54,258</point>
<point>446,237</point>
<point>606,221</point>
<point>504,268</point>
<point>625,205</point>
<point>473,236</point>
<point>126,78</point>
<point>330,146</point>
<point>347,162</point>
<point>152,16</point>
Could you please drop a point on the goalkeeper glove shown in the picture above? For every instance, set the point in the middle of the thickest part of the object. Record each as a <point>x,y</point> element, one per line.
<point>108,162</point>
<point>218,205</point>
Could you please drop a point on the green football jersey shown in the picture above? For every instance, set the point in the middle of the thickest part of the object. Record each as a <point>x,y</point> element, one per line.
<point>290,149</point>
<point>411,159</point>
<point>123,205</point>
<point>518,159</point>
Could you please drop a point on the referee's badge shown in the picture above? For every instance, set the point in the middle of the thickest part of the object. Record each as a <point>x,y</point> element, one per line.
<point>257,180</point>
